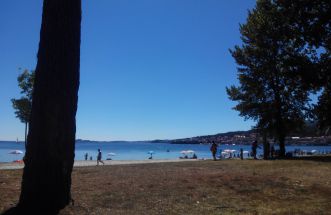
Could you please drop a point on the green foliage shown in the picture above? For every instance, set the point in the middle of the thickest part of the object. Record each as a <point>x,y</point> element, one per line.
<point>270,63</point>
<point>23,105</point>
<point>25,82</point>
<point>322,110</point>
<point>312,22</point>
<point>22,108</point>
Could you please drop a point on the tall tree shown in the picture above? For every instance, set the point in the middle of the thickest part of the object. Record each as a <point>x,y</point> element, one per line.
<point>268,92</point>
<point>23,105</point>
<point>50,154</point>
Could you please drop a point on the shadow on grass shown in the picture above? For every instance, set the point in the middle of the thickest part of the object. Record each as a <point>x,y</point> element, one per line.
<point>24,211</point>
<point>13,211</point>
<point>318,158</point>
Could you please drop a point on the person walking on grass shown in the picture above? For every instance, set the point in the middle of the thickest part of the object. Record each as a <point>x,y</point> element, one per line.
<point>213,149</point>
<point>99,157</point>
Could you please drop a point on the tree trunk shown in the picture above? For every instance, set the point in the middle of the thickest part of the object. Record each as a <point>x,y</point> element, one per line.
<point>281,134</point>
<point>282,151</point>
<point>50,148</point>
<point>25,133</point>
<point>266,147</point>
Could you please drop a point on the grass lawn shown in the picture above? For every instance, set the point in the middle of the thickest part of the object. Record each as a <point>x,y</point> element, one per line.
<point>205,187</point>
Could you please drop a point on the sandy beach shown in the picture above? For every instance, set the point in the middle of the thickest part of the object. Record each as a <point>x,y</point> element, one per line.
<point>83,163</point>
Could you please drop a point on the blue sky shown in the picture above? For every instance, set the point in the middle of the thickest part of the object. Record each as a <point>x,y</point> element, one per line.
<point>149,68</point>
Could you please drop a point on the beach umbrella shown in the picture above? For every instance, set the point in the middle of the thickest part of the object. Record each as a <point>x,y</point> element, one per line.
<point>245,152</point>
<point>110,154</point>
<point>16,152</point>
<point>187,152</point>
<point>151,153</point>
<point>229,150</point>
<point>225,154</point>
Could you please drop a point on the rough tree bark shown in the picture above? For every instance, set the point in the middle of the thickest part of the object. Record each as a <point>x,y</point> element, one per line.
<point>50,148</point>
<point>266,147</point>
<point>25,133</point>
<point>282,150</point>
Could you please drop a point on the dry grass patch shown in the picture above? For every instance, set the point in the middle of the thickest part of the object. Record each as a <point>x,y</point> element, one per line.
<point>206,187</point>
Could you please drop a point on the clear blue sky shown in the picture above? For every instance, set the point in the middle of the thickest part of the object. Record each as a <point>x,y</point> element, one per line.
<point>149,68</point>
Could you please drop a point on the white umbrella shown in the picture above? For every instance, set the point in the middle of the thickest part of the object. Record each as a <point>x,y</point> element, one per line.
<point>151,153</point>
<point>314,151</point>
<point>229,150</point>
<point>245,152</point>
<point>225,154</point>
<point>187,152</point>
<point>16,152</point>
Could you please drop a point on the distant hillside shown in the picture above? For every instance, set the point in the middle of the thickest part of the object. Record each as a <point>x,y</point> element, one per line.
<point>307,132</point>
<point>228,137</point>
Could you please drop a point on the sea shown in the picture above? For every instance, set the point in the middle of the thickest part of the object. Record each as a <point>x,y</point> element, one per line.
<point>143,150</point>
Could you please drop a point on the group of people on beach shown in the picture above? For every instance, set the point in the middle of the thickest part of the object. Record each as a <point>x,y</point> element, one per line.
<point>214,149</point>
<point>99,157</point>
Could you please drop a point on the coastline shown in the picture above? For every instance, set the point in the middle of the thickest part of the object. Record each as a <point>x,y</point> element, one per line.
<point>83,163</point>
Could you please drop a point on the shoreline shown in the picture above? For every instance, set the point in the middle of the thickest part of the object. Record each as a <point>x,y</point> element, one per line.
<point>84,163</point>
<point>89,163</point>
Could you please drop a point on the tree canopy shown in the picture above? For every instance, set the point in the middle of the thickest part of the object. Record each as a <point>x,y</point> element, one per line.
<point>311,20</point>
<point>270,63</point>
<point>23,105</point>
<point>22,108</point>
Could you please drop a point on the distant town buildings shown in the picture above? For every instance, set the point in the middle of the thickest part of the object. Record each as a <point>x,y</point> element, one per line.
<point>247,137</point>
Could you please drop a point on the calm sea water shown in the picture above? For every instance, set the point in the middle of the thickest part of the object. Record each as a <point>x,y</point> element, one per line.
<point>138,150</point>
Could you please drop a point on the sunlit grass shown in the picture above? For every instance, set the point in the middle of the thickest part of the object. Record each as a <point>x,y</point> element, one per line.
<point>206,187</point>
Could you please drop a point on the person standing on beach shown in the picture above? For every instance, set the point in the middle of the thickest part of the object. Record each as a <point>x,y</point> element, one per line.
<point>213,149</point>
<point>99,157</point>
<point>86,156</point>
